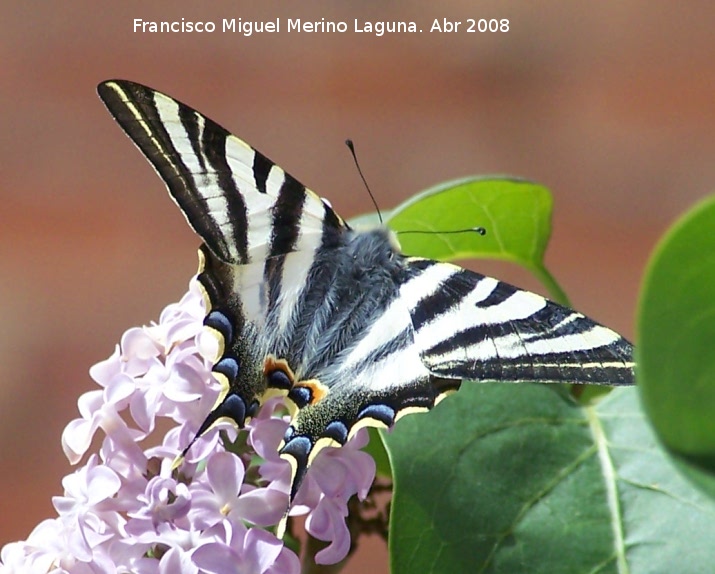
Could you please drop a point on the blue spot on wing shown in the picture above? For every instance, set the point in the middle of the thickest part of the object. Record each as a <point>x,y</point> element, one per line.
<point>232,407</point>
<point>301,396</point>
<point>290,432</point>
<point>383,413</point>
<point>279,380</point>
<point>337,431</point>
<point>228,366</point>
<point>217,320</point>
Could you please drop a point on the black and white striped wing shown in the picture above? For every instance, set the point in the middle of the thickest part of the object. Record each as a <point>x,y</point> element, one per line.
<point>242,205</point>
<point>469,326</point>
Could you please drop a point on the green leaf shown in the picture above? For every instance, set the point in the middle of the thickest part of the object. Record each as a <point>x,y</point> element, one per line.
<point>515,213</point>
<point>676,338</point>
<point>516,478</point>
<point>376,449</point>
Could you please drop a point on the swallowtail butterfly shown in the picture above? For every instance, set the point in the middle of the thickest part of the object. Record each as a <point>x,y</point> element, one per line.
<point>351,330</point>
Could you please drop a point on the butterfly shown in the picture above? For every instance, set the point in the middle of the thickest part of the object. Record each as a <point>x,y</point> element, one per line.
<point>350,330</point>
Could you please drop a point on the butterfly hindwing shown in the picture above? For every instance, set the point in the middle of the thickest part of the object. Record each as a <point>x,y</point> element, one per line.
<point>350,330</point>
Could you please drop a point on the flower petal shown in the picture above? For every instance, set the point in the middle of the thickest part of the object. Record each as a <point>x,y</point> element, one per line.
<point>225,473</point>
<point>216,558</point>
<point>262,506</point>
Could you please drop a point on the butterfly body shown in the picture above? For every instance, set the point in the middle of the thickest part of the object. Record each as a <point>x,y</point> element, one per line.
<point>352,331</point>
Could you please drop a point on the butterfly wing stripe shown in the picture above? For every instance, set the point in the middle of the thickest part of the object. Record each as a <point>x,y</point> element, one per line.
<point>382,351</point>
<point>448,295</point>
<point>295,275</point>
<point>177,123</point>
<point>331,219</point>
<point>287,216</point>
<point>214,203</point>
<point>549,323</point>
<point>514,352</point>
<point>519,305</point>
<point>334,327</point>
<point>390,324</point>
<point>557,368</point>
<point>192,123</point>
<point>295,269</point>
<point>399,368</point>
<point>285,227</point>
<point>425,278</point>
<point>513,345</point>
<point>553,335</point>
<point>222,203</point>
<point>248,285</point>
<point>261,169</point>
<point>555,321</point>
<point>274,181</point>
<point>318,285</point>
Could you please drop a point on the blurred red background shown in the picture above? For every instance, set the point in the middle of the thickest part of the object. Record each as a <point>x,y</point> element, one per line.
<point>607,103</point>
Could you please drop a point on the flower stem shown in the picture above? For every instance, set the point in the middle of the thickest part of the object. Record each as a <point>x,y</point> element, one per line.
<point>549,281</point>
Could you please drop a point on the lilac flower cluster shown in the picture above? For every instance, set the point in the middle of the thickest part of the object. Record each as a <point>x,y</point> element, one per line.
<point>127,510</point>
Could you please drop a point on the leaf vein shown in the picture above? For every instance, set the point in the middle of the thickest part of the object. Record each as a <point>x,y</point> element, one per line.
<point>610,479</point>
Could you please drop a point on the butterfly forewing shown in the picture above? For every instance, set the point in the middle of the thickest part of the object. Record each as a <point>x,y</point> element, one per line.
<point>242,205</point>
<point>351,330</point>
<point>474,327</point>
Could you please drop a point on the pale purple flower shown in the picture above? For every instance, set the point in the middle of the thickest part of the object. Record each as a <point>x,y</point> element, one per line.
<point>97,414</point>
<point>219,494</point>
<point>266,432</point>
<point>177,561</point>
<point>48,549</point>
<point>248,550</point>
<point>334,477</point>
<point>128,510</point>
<point>43,550</point>
<point>83,509</point>
<point>164,501</point>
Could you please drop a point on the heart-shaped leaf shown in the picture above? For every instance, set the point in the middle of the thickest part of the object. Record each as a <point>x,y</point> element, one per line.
<point>514,213</point>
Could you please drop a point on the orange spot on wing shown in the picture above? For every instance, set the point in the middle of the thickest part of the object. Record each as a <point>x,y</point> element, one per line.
<point>272,364</point>
<point>318,391</point>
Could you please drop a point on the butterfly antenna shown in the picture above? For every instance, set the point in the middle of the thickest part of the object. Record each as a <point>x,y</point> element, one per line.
<point>480,230</point>
<point>351,147</point>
